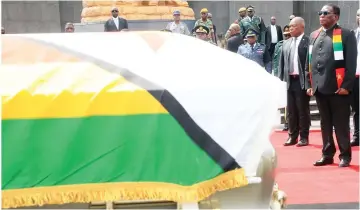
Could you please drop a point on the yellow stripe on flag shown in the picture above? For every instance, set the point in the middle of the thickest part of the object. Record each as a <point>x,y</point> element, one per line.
<point>337,38</point>
<point>63,90</point>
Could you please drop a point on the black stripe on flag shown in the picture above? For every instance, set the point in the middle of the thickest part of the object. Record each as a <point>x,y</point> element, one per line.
<point>197,134</point>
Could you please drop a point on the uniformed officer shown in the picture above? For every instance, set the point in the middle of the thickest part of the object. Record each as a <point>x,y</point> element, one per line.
<point>242,15</point>
<point>202,33</point>
<point>177,26</point>
<point>254,22</point>
<point>205,21</point>
<point>255,51</point>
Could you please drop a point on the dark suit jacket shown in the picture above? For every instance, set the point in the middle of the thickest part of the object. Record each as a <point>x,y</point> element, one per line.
<point>234,42</point>
<point>268,34</point>
<point>110,25</point>
<point>323,64</point>
<point>284,67</point>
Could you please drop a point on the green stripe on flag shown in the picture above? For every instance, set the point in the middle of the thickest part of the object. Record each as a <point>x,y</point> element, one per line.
<point>131,148</point>
<point>338,46</point>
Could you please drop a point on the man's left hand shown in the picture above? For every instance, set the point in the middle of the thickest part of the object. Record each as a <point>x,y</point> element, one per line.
<point>342,91</point>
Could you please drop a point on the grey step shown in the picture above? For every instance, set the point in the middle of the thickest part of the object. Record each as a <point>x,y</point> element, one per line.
<point>312,106</point>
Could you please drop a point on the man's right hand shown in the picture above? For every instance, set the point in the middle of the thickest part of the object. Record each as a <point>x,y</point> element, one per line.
<point>309,92</point>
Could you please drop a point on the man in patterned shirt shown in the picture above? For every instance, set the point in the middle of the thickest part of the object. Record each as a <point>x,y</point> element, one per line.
<point>177,26</point>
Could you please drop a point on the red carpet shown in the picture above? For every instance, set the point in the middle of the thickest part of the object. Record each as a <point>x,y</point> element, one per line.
<point>306,184</point>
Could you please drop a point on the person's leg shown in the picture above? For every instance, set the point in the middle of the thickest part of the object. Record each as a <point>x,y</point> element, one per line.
<point>302,102</point>
<point>328,150</point>
<point>340,109</point>
<point>355,109</point>
<point>292,119</point>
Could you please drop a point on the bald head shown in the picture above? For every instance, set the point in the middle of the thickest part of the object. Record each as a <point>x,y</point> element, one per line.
<point>234,28</point>
<point>297,26</point>
<point>298,21</point>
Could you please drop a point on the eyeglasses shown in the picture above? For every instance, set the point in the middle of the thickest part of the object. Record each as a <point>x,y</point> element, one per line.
<point>324,13</point>
<point>114,11</point>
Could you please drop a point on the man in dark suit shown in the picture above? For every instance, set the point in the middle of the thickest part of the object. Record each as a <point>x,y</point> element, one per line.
<point>235,39</point>
<point>115,23</point>
<point>331,70</point>
<point>355,92</point>
<point>274,35</point>
<point>292,70</point>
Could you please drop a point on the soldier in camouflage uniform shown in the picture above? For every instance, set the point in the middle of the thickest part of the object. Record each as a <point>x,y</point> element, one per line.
<point>255,51</point>
<point>278,50</point>
<point>204,21</point>
<point>275,63</point>
<point>202,33</point>
<point>242,15</point>
<point>254,22</point>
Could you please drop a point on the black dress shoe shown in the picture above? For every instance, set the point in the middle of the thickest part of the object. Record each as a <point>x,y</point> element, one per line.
<point>324,161</point>
<point>354,142</point>
<point>302,142</point>
<point>290,142</point>
<point>344,163</point>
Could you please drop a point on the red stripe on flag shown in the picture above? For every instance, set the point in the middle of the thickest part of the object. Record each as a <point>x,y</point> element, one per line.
<point>337,31</point>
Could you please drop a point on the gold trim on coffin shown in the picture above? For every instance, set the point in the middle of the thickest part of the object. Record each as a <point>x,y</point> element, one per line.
<point>86,193</point>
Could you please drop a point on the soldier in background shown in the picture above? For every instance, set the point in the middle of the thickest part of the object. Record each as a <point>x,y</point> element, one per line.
<point>291,17</point>
<point>254,22</point>
<point>202,32</point>
<point>278,50</point>
<point>214,27</point>
<point>177,26</point>
<point>204,21</point>
<point>69,28</point>
<point>255,51</point>
<point>242,15</point>
<point>275,67</point>
<point>2,30</point>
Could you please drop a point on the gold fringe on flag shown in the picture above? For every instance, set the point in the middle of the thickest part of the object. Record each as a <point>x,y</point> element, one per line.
<point>122,191</point>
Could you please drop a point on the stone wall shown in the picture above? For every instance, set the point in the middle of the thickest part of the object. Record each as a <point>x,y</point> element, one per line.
<point>38,16</point>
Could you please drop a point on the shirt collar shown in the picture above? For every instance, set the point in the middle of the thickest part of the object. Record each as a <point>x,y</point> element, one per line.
<point>300,37</point>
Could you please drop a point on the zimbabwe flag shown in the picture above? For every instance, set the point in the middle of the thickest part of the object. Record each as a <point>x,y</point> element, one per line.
<point>79,127</point>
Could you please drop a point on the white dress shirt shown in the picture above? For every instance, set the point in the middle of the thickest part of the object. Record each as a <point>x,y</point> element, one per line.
<point>296,56</point>
<point>358,56</point>
<point>274,35</point>
<point>116,21</point>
